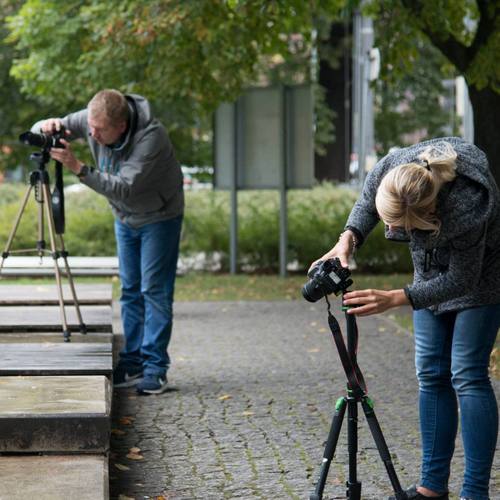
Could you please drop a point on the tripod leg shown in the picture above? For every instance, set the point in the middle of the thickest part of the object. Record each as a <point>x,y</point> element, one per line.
<point>64,254</point>
<point>353,485</point>
<point>55,256</point>
<point>13,232</point>
<point>383,450</point>
<point>331,444</point>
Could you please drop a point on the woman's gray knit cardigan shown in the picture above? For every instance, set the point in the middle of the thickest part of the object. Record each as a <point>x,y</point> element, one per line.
<point>460,267</point>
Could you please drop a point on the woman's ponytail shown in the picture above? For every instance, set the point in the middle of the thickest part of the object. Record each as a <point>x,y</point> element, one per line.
<point>440,161</point>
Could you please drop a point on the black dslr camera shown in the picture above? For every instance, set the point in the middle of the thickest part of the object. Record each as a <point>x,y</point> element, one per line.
<point>44,141</point>
<point>326,277</point>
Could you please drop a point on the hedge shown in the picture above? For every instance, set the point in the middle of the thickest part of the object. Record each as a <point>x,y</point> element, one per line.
<point>315,218</point>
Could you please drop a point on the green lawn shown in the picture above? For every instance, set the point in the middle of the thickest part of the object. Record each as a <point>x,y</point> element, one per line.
<point>207,286</point>
<point>220,287</point>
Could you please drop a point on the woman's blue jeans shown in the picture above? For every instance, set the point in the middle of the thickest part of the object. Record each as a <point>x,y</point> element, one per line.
<point>452,352</point>
<point>148,260</point>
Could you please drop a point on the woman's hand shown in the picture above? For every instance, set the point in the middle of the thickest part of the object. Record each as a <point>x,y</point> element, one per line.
<point>343,250</point>
<point>366,302</point>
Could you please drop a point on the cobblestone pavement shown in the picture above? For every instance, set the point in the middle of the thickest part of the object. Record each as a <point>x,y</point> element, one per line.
<point>253,389</point>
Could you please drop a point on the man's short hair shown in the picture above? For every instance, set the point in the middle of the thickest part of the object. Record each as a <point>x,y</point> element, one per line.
<point>111,104</point>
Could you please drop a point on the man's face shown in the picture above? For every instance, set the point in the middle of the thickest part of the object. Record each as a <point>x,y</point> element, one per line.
<point>103,131</point>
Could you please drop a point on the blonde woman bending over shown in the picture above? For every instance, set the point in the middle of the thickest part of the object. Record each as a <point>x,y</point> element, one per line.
<point>440,196</point>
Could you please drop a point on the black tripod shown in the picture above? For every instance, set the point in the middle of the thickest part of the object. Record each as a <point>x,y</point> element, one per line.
<point>356,393</point>
<point>51,209</point>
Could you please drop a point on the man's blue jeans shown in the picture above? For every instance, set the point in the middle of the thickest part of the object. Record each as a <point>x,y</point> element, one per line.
<point>452,354</point>
<point>148,261</point>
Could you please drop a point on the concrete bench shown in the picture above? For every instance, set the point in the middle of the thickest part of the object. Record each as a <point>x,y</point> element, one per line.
<point>48,318</point>
<point>55,414</point>
<point>17,266</point>
<point>82,477</point>
<point>45,294</point>
<point>56,358</point>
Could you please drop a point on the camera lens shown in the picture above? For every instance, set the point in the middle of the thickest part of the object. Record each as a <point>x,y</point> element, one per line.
<point>32,139</point>
<point>312,291</point>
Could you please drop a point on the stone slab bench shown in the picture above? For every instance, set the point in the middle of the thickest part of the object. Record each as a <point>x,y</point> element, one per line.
<point>56,358</point>
<point>80,477</point>
<point>55,414</point>
<point>17,265</point>
<point>37,337</point>
<point>45,294</point>
<point>48,318</point>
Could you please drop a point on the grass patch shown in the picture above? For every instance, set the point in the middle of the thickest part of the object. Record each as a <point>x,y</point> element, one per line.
<point>201,286</point>
<point>225,287</point>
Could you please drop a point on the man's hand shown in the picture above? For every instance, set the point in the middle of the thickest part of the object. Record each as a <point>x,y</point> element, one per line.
<point>374,301</point>
<point>51,125</point>
<point>66,157</point>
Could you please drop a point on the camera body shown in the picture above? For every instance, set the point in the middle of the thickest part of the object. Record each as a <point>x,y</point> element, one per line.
<point>326,277</point>
<point>44,141</point>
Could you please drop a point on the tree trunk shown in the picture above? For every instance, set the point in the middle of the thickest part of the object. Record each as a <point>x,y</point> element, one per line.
<point>486,106</point>
<point>335,164</point>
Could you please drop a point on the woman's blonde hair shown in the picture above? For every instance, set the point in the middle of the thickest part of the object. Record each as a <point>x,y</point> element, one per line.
<point>407,194</point>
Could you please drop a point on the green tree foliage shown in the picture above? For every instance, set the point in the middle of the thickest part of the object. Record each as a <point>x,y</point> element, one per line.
<point>467,33</point>
<point>189,55</point>
<point>186,56</point>
<point>186,53</point>
<point>415,104</point>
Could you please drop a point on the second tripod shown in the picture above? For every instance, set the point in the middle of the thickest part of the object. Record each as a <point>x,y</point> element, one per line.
<point>40,183</point>
<point>356,394</point>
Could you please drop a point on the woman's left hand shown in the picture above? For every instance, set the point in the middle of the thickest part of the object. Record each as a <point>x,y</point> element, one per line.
<point>366,302</point>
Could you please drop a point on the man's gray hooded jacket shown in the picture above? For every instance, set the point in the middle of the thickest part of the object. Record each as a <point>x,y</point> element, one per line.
<point>460,267</point>
<point>140,177</point>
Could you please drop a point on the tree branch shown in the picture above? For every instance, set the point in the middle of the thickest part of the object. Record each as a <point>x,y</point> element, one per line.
<point>454,50</point>
<point>486,25</point>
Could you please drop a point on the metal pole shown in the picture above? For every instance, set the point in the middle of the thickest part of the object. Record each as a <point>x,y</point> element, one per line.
<point>233,233</point>
<point>286,127</point>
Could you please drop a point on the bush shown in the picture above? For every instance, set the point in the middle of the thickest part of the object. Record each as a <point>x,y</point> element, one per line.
<point>89,222</point>
<point>315,219</point>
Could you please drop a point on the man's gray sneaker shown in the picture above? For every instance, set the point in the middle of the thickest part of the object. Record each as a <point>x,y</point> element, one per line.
<point>152,384</point>
<point>126,375</point>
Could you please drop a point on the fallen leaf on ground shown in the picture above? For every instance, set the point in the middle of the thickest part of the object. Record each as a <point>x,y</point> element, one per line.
<point>122,467</point>
<point>224,397</point>
<point>135,450</point>
<point>134,456</point>
<point>126,420</point>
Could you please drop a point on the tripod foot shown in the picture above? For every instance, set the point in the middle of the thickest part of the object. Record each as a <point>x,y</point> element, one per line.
<point>67,335</point>
<point>353,490</point>
<point>83,328</point>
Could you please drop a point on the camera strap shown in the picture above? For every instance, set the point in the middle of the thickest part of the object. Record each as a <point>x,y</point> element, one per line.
<point>355,379</point>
